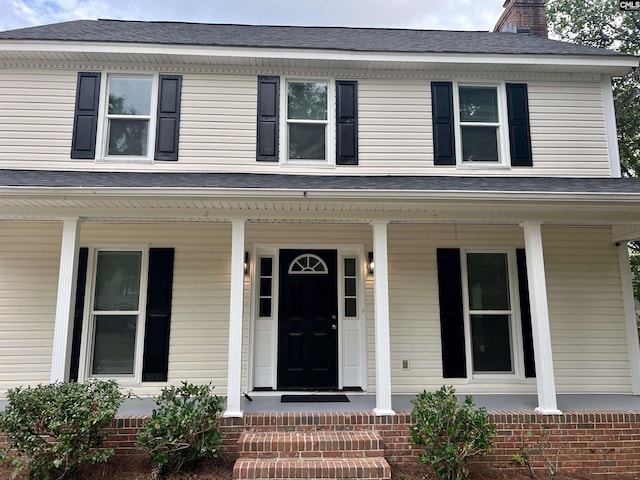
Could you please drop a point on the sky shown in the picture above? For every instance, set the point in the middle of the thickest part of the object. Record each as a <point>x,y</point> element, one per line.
<point>427,14</point>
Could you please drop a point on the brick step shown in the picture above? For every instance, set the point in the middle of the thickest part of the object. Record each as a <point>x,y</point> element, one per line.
<point>375,468</point>
<point>319,444</point>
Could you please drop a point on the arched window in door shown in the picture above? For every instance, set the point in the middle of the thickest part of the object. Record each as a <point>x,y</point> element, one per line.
<point>308,263</point>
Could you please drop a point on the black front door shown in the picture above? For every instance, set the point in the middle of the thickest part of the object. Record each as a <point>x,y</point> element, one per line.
<point>307,320</point>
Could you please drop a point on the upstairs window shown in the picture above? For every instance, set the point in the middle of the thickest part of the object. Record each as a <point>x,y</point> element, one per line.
<point>479,124</point>
<point>307,121</point>
<point>126,117</point>
<point>129,102</point>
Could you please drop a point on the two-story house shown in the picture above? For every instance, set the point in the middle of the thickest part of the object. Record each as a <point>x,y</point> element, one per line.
<point>294,209</point>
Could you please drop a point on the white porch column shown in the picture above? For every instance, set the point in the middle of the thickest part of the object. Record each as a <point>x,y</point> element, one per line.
<point>547,402</point>
<point>381,294</point>
<point>234,379</point>
<point>67,279</point>
<point>630,315</point>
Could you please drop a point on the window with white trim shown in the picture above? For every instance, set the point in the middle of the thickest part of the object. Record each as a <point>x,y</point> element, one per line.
<point>481,120</point>
<point>308,121</point>
<point>129,117</point>
<point>115,334</point>
<point>490,315</point>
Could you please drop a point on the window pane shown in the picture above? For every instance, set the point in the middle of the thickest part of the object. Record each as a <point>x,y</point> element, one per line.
<point>265,287</point>
<point>350,267</point>
<point>479,144</point>
<point>349,307</point>
<point>479,104</point>
<point>130,96</point>
<point>265,266</point>
<point>491,343</point>
<point>488,281</point>
<point>307,141</point>
<point>307,101</point>
<point>265,307</point>
<point>118,281</point>
<point>114,344</point>
<point>350,287</point>
<point>128,137</point>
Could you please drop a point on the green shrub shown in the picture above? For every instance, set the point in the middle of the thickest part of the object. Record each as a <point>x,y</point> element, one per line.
<point>52,430</point>
<point>451,433</point>
<point>184,428</point>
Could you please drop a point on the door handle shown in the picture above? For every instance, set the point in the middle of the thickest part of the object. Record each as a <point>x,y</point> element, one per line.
<point>333,317</point>
<point>334,327</point>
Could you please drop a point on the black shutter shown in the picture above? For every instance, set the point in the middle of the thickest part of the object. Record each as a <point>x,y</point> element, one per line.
<point>454,363</point>
<point>168,121</point>
<point>346,122</point>
<point>85,122</point>
<point>78,314</point>
<point>442,115</point>
<point>525,315</point>
<point>519,131</point>
<point>268,107</point>
<point>155,363</point>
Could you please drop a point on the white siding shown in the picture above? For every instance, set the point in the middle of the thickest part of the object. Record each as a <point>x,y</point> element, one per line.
<point>568,135</point>
<point>585,307</point>
<point>586,311</point>
<point>198,349</point>
<point>588,333</point>
<point>29,263</point>
<point>37,117</point>
<point>218,127</point>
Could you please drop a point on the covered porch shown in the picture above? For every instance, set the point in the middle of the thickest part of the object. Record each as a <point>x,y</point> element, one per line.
<point>402,222</point>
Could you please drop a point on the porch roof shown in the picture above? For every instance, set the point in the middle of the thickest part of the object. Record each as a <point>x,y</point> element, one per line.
<point>50,179</point>
<point>219,197</point>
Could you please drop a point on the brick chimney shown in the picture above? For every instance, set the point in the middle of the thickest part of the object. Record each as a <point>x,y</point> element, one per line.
<point>523,16</point>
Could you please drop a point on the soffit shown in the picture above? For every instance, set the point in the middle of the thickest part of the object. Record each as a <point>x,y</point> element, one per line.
<point>357,62</point>
<point>279,210</point>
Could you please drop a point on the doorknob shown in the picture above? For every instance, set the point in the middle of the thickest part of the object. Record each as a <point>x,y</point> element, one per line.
<point>333,317</point>
<point>334,327</point>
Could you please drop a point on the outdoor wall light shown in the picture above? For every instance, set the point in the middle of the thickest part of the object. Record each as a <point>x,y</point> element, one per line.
<point>370,264</point>
<point>246,263</point>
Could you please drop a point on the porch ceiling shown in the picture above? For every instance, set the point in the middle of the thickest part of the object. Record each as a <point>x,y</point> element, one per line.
<point>308,209</point>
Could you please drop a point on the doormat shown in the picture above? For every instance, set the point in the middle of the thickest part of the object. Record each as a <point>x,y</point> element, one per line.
<point>313,398</point>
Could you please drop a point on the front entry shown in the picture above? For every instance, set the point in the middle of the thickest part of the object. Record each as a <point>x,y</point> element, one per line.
<point>307,320</point>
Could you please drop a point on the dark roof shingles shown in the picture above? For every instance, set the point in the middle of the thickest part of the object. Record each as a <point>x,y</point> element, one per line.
<point>316,38</point>
<point>125,180</point>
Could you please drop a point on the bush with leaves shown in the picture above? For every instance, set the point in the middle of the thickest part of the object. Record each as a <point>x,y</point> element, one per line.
<point>184,428</point>
<point>450,433</point>
<point>52,430</point>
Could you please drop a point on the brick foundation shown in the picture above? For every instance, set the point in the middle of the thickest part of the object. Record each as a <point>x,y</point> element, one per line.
<point>602,442</point>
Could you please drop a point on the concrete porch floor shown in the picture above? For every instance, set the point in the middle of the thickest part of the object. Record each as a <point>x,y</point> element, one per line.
<point>402,403</point>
